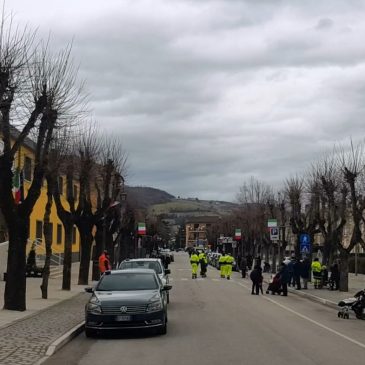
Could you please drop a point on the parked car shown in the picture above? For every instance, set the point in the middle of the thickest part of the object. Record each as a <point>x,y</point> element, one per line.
<point>148,263</point>
<point>127,299</point>
<point>167,252</point>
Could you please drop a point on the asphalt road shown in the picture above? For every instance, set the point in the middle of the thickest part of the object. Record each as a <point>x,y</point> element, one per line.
<point>215,321</point>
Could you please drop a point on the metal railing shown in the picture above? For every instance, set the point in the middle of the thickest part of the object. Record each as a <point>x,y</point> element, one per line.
<point>56,257</point>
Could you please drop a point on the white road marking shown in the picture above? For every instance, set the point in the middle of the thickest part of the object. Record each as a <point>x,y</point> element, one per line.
<point>362,345</point>
<point>184,279</point>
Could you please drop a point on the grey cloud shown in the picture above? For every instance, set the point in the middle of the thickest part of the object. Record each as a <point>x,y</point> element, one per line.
<point>206,93</point>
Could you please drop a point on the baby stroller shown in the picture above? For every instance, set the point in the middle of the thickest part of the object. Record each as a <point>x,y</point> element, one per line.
<point>275,285</point>
<point>357,304</point>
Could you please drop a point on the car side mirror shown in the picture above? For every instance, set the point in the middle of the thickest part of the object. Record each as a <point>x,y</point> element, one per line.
<point>167,271</point>
<point>167,287</point>
<point>89,290</point>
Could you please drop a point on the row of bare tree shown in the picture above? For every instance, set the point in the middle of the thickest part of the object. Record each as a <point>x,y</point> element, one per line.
<point>42,104</point>
<point>328,200</point>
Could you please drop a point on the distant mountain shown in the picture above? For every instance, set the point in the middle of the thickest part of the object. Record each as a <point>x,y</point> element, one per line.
<point>143,197</point>
<point>158,202</point>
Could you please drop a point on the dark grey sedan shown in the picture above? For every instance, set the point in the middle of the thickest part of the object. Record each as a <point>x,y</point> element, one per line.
<point>127,299</point>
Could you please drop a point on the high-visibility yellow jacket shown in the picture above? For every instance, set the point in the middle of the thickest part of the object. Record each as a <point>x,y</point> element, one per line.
<point>316,266</point>
<point>203,258</point>
<point>194,259</point>
<point>222,260</point>
<point>229,259</point>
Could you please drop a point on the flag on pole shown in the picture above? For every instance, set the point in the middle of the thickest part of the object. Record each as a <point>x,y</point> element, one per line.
<point>17,186</point>
<point>142,228</point>
<point>237,234</point>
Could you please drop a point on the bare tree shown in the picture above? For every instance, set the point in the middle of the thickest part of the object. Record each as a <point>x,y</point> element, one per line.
<point>302,220</point>
<point>109,184</point>
<point>253,198</point>
<point>351,163</point>
<point>46,85</point>
<point>59,149</point>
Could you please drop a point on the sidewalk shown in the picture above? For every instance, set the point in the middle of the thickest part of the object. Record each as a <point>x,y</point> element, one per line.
<point>27,336</point>
<point>326,296</point>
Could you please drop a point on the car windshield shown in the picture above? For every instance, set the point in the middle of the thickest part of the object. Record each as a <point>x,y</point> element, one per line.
<point>153,265</point>
<point>127,281</point>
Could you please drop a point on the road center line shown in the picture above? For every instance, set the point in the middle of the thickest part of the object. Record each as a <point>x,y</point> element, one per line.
<point>310,320</point>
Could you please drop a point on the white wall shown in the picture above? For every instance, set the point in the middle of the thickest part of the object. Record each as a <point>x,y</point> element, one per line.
<point>3,258</point>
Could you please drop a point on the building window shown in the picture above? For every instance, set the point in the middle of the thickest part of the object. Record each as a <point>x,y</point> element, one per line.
<point>74,235</point>
<point>60,185</point>
<point>75,192</point>
<point>59,234</point>
<point>27,168</point>
<point>39,230</point>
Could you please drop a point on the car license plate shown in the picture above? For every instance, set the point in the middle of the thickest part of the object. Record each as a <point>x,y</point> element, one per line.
<point>123,318</point>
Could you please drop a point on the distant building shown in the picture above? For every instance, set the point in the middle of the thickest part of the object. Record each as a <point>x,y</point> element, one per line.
<point>196,230</point>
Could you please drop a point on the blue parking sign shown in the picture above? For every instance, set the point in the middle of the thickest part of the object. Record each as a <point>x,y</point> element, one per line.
<point>305,243</point>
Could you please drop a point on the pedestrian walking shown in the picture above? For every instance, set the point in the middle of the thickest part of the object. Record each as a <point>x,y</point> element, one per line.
<point>297,270</point>
<point>335,277</point>
<point>290,268</point>
<point>256,278</point>
<point>222,265</point>
<point>194,261</point>
<point>284,278</point>
<point>305,272</point>
<point>104,262</point>
<point>317,273</point>
<point>243,266</point>
<point>229,263</point>
<point>203,264</point>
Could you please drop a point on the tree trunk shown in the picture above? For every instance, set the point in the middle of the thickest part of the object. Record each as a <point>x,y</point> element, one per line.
<point>15,287</point>
<point>344,270</point>
<point>47,262</point>
<point>47,232</point>
<point>67,256</point>
<point>86,242</point>
<point>97,253</point>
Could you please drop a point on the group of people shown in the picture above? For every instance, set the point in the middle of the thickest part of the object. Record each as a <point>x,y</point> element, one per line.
<point>197,259</point>
<point>292,272</point>
<point>225,262</point>
<point>321,277</point>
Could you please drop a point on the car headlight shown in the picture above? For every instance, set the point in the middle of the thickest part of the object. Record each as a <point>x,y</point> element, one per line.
<point>94,305</point>
<point>154,306</point>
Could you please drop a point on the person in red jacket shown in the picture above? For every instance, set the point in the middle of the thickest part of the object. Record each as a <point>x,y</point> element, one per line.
<point>104,263</point>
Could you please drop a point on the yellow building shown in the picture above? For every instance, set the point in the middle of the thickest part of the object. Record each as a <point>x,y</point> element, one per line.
<point>24,160</point>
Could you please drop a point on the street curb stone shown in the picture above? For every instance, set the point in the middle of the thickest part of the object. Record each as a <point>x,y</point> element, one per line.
<point>62,341</point>
<point>311,297</point>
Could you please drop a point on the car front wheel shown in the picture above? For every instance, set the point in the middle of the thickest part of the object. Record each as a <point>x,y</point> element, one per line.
<point>90,333</point>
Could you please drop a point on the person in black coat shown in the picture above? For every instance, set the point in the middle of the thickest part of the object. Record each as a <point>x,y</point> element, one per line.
<point>284,278</point>
<point>243,266</point>
<point>335,277</point>
<point>305,270</point>
<point>256,278</point>
<point>297,267</point>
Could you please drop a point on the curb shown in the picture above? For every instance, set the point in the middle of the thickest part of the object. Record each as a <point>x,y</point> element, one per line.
<point>62,341</point>
<point>312,297</point>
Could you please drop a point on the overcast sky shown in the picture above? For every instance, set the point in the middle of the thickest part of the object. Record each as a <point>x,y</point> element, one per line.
<point>205,93</point>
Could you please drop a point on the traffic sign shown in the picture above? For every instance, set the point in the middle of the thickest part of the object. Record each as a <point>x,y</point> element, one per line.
<point>305,243</point>
<point>274,233</point>
<point>272,223</point>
